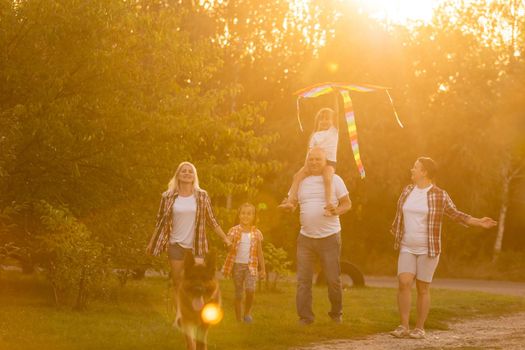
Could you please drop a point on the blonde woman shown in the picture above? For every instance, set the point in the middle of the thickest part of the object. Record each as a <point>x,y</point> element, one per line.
<point>184,211</point>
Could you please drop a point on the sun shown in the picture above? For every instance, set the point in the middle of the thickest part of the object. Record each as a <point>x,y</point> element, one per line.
<point>398,11</point>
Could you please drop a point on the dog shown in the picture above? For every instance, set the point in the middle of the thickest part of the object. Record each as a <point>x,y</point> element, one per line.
<point>198,289</point>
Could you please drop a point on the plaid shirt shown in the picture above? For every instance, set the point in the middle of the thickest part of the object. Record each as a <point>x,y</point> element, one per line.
<point>439,204</point>
<point>159,241</point>
<point>256,238</point>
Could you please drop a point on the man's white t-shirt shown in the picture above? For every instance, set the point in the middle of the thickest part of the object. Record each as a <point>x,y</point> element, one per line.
<point>243,248</point>
<point>312,202</point>
<point>327,140</point>
<point>183,229</point>
<point>415,221</point>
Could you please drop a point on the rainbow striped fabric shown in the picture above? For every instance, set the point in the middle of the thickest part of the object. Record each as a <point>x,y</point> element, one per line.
<point>352,131</point>
<point>344,89</point>
<point>326,88</point>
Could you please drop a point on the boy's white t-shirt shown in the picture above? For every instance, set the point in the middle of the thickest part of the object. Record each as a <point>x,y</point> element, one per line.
<point>243,248</point>
<point>415,222</point>
<point>183,229</point>
<point>312,202</point>
<point>327,140</point>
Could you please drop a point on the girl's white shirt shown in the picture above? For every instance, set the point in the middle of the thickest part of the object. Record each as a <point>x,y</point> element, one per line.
<point>327,140</point>
<point>243,249</point>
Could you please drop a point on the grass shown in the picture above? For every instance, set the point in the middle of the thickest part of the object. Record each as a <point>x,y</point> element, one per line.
<point>138,317</point>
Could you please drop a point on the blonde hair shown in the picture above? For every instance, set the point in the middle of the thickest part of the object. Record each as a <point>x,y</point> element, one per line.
<point>174,182</point>
<point>321,112</point>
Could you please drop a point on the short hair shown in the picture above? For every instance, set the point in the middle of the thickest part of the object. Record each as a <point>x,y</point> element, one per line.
<point>429,165</point>
<point>316,148</point>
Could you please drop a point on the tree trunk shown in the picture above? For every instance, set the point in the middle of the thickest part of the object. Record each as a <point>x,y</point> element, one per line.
<point>501,221</point>
<point>55,293</point>
<point>229,201</point>
<point>81,296</point>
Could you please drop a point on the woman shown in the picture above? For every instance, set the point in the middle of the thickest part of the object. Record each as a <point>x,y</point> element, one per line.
<point>184,211</point>
<point>417,232</point>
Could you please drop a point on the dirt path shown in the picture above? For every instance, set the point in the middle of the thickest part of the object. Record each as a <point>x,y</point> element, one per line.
<point>506,332</point>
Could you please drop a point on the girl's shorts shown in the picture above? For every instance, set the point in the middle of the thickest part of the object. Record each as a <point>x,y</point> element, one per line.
<point>243,280</point>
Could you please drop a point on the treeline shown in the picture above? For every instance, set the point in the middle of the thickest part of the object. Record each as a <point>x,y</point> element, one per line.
<point>101,100</point>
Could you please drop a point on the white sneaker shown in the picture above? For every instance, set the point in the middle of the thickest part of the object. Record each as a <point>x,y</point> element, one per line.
<point>400,332</point>
<point>417,333</point>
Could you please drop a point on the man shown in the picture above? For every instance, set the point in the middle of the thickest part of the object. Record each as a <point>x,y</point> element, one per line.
<point>320,237</point>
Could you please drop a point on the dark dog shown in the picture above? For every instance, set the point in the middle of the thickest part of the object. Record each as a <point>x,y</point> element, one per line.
<point>198,289</point>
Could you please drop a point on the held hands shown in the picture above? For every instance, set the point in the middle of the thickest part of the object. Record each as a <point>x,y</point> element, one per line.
<point>262,274</point>
<point>227,241</point>
<point>487,222</point>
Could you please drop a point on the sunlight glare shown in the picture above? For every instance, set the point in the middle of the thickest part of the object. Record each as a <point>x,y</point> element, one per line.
<point>399,11</point>
<point>211,314</point>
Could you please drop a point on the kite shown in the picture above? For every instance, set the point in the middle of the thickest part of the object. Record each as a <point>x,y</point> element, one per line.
<point>344,90</point>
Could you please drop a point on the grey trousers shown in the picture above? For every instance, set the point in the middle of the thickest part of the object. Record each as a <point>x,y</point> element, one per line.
<point>328,251</point>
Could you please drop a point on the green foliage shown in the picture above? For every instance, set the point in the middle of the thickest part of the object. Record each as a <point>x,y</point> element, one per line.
<point>13,247</point>
<point>100,102</point>
<point>277,264</point>
<point>74,262</point>
<point>510,264</point>
<point>7,251</point>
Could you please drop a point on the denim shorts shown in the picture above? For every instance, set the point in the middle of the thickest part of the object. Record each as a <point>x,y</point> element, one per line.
<point>243,280</point>
<point>177,252</point>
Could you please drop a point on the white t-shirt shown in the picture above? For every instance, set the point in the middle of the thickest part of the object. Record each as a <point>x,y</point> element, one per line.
<point>312,202</point>
<point>327,140</point>
<point>243,249</point>
<point>415,220</point>
<point>183,229</point>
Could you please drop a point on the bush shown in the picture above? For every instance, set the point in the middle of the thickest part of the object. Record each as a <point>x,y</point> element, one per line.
<point>277,265</point>
<point>511,265</point>
<point>74,261</point>
<point>9,250</point>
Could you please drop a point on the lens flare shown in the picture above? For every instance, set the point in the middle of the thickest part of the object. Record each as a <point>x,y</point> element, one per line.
<point>332,67</point>
<point>211,314</point>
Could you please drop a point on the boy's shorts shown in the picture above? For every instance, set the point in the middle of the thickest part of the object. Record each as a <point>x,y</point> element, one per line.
<point>243,280</point>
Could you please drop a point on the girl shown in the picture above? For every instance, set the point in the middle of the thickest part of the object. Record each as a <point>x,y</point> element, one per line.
<point>245,260</point>
<point>326,136</point>
<point>417,231</point>
<point>184,211</point>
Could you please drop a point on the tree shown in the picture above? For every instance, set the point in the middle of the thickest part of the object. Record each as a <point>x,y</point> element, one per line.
<point>100,101</point>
